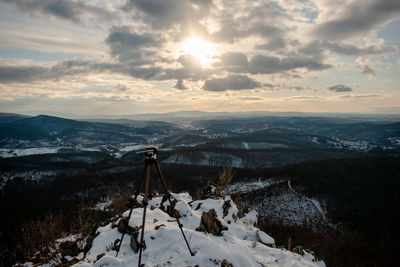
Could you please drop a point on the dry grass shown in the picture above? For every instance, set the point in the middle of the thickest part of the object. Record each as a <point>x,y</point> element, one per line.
<point>119,203</point>
<point>39,235</point>
<point>225,177</point>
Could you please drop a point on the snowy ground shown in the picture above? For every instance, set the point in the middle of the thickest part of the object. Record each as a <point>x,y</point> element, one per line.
<point>281,203</point>
<point>17,152</point>
<point>249,185</point>
<point>241,244</point>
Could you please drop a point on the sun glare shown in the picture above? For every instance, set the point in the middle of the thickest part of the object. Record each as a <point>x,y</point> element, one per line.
<point>198,48</point>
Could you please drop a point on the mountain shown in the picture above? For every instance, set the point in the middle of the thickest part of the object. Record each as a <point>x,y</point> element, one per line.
<point>10,117</point>
<point>50,130</point>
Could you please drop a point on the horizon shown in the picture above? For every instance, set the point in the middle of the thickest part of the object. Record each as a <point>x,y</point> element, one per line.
<point>193,114</point>
<point>159,56</point>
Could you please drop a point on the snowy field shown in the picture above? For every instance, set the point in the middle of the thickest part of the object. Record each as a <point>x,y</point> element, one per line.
<point>17,152</point>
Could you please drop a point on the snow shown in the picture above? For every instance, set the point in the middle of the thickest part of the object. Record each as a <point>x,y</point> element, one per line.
<point>314,201</point>
<point>165,247</point>
<point>264,238</point>
<point>132,147</point>
<point>282,204</point>
<point>17,152</point>
<point>249,185</point>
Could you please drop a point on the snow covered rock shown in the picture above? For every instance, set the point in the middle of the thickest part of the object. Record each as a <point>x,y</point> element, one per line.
<point>209,223</point>
<point>239,243</point>
<point>265,239</point>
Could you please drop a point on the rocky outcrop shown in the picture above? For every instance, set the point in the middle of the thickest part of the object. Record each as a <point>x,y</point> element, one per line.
<point>209,223</point>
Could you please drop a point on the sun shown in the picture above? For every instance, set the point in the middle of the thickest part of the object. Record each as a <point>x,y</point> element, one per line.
<point>198,48</point>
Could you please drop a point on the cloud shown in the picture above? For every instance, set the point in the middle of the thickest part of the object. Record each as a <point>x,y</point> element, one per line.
<point>121,87</point>
<point>251,98</point>
<point>179,85</point>
<point>365,66</point>
<point>339,88</point>
<point>347,49</point>
<point>42,72</point>
<point>358,18</point>
<point>164,14</point>
<point>64,9</point>
<point>360,96</point>
<point>273,44</point>
<point>367,69</point>
<point>231,82</point>
<point>263,64</point>
<point>127,45</point>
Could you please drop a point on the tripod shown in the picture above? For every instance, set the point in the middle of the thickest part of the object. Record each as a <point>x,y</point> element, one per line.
<point>150,159</point>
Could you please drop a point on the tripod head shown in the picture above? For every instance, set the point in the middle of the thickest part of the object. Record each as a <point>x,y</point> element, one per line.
<point>151,152</point>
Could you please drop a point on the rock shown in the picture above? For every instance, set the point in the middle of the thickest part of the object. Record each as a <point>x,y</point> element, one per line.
<point>211,190</point>
<point>299,250</point>
<point>100,256</point>
<point>135,243</point>
<point>210,224</point>
<point>246,209</point>
<point>158,226</point>
<point>265,239</point>
<point>170,208</point>
<point>198,206</point>
<point>123,226</point>
<point>69,248</point>
<point>226,263</point>
<point>226,206</point>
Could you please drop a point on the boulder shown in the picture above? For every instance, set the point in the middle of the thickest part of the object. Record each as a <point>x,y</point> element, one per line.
<point>265,239</point>
<point>209,223</point>
<point>299,250</point>
<point>69,248</point>
<point>226,263</point>
<point>211,190</point>
<point>123,226</point>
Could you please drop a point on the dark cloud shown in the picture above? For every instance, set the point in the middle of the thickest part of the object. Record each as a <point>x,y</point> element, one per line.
<point>162,14</point>
<point>262,64</point>
<point>339,88</point>
<point>179,85</point>
<point>317,47</point>
<point>231,82</point>
<point>127,45</point>
<point>9,74</point>
<point>64,9</point>
<point>273,44</point>
<point>65,69</point>
<point>257,20</point>
<point>359,18</point>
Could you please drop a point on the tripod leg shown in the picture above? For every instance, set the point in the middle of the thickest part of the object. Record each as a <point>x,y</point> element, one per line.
<point>164,184</point>
<point>148,179</point>
<point>140,183</point>
<point>137,190</point>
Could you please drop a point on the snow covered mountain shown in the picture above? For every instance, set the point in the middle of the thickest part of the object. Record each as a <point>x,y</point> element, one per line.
<point>217,232</point>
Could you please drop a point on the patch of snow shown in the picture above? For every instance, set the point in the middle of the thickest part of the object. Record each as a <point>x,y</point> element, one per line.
<point>132,147</point>
<point>248,186</point>
<point>17,152</point>
<point>314,201</point>
<point>264,238</point>
<point>246,145</point>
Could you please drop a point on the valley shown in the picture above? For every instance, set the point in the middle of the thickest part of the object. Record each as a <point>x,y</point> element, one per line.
<point>313,180</point>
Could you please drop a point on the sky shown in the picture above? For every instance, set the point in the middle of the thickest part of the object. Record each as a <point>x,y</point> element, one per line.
<point>88,57</point>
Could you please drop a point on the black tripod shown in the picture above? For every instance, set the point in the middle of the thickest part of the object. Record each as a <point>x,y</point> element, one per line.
<point>150,159</point>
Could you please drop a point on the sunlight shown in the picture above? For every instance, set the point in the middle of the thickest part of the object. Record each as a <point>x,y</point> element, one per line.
<point>198,48</point>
